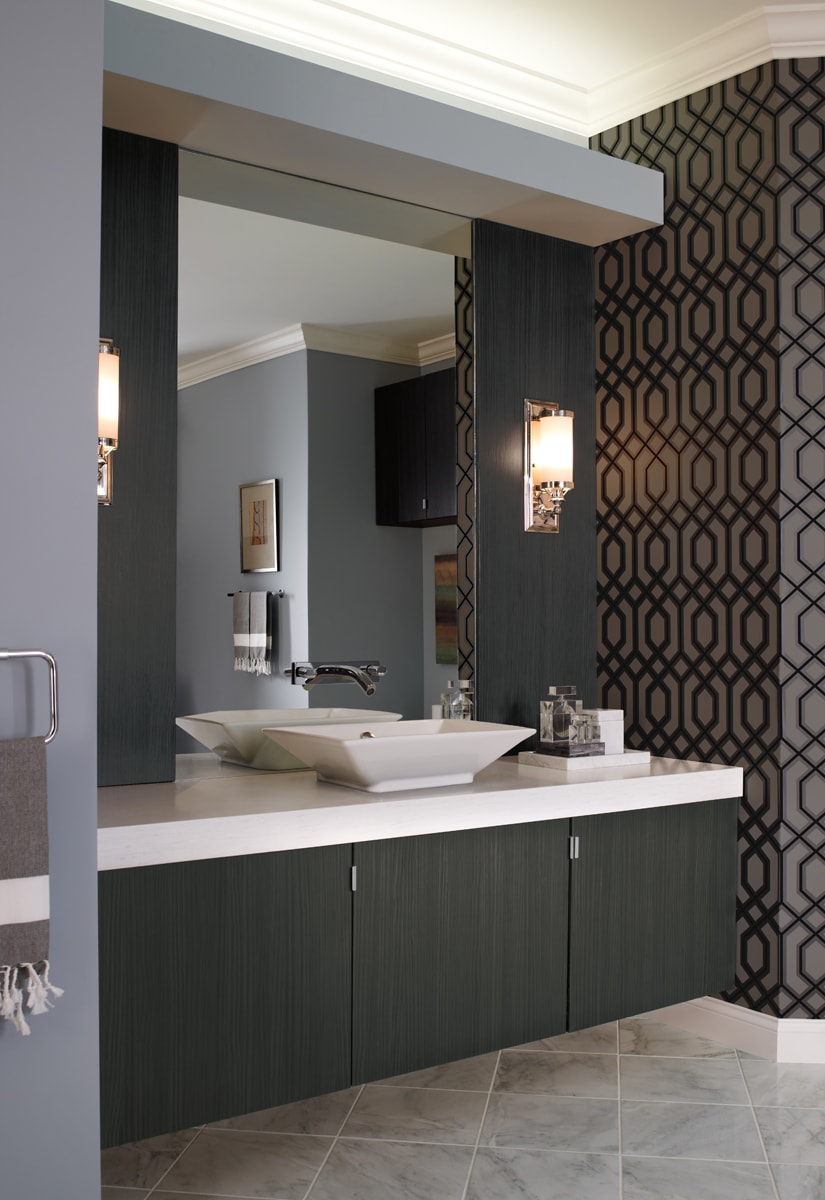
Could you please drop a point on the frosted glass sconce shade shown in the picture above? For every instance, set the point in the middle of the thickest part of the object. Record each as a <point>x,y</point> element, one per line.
<point>548,464</point>
<point>108,412</point>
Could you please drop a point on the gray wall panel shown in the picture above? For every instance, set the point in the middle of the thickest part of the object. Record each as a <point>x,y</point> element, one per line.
<point>50,67</point>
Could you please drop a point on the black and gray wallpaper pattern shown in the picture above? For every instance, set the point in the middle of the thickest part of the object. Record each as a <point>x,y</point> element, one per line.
<point>465,467</point>
<point>711,482</point>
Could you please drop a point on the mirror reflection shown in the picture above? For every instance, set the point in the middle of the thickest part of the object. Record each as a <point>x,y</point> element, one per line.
<point>287,328</point>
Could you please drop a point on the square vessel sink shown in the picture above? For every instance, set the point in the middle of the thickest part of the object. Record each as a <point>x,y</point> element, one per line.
<point>237,735</point>
<point>410,754</point>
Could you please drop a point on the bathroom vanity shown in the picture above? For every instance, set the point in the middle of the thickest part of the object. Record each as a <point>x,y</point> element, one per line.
<point>265,938</point>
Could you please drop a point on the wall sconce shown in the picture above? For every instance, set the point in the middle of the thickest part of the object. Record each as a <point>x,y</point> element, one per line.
<point>108,404</point>
<point>548,464</point>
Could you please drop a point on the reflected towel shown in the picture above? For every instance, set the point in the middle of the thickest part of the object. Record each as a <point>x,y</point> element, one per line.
<point>253,618</point>
<point>24,881</point>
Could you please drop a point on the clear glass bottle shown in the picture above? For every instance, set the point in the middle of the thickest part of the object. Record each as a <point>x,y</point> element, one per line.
<point>556,713</point>
<point>457,701</point>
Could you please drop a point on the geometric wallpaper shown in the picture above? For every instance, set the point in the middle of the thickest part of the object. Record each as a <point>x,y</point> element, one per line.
<point>711,487</point>
<point>465,468</point>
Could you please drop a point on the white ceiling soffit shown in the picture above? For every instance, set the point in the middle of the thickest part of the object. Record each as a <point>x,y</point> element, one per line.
<point>570,69</point>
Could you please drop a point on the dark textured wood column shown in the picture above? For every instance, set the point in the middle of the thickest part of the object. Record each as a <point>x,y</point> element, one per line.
<point>536,593</point>
<point>136,535</point>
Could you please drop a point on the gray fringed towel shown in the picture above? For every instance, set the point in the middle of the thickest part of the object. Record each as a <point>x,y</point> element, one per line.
<point>253,620</point>
<point>24,882</point>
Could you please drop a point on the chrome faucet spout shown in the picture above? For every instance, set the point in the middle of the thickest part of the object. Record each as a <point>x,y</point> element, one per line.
<point>365,674</point>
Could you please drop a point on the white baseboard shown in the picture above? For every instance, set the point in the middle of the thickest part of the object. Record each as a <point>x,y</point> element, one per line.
<point>780,1039</point>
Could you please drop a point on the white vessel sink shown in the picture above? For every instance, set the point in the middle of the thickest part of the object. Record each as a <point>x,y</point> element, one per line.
<point>237,735</point>
<point>389,758</point>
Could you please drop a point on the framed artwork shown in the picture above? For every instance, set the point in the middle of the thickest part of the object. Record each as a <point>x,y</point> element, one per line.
<point>259,526</point>
<point>446,614</point>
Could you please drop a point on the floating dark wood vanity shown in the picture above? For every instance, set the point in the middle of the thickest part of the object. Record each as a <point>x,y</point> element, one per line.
<point>266,938</point>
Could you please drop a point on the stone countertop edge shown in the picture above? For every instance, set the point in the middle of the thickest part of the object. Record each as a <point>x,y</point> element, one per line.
<point>258,813</point>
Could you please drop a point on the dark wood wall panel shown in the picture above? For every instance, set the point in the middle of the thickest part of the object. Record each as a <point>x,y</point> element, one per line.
<point>536,593</point>
<point>136,535</point>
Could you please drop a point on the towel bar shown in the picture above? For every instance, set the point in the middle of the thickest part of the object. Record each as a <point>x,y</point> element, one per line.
<point>279,595</point>
<point>52,681</point>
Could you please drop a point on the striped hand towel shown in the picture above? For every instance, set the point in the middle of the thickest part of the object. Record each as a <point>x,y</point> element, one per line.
<point>253,633</point>
<point>24,882</point>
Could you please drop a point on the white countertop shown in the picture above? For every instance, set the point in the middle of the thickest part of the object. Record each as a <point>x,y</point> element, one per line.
<point>213,810</point>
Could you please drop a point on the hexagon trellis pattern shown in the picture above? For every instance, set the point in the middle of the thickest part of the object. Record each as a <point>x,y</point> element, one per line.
<point>465,467</point>
<point>711,489</point>
<point>799,102</point>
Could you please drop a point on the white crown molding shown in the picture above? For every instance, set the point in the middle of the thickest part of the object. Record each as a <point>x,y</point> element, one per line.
<point>274,345</point>
<point>779,1039</point>
<point>793,31</point>
<point>387,51</point>
<point>316,337</point>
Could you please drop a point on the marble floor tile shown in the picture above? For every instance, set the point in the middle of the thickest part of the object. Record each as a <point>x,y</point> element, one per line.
<point>543,1175</point>
<point>793,1135</point>
<point>324,1115</point>
<point>641,1035</point>
<point>552,1123</point>
<point>601,1039</point>
<point>466,1075</point>
<point>117,1193</point>
<point>711,1131</point>
<point>799,1183</point>
<point>686,1179</point>
<point>365,1170</point>
<point>229,1162</point>
<point>798,1085</point>
<point>417,1115</point>
<point>704,1081</point>
<point>143,1164</point>
<point>559,1074</point>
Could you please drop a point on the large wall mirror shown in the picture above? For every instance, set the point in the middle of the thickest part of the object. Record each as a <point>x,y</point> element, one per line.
<point>297,300</point>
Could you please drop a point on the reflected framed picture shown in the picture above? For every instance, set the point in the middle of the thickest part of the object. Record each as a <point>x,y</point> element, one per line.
<point>259,526</point>
<point>446,614</point>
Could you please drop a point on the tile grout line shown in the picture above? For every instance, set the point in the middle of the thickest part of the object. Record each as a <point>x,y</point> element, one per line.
<point>481,1125</point>
<point>335,1141</point>
<point>619,1107</point>
<point>152,1190</point>
<point>771,1175</point>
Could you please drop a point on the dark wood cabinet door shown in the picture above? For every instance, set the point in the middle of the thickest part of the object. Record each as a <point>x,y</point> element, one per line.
<point>459,945</point>
<point>225,988</point>
<point>652,909</point>
<point>439,391</point>
<point>415,451</point>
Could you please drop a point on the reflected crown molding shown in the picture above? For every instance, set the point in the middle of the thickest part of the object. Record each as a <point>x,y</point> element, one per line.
<point>316,337</point>
<point>374,47</point>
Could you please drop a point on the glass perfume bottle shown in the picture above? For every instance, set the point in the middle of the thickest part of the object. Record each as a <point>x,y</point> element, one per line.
<point>457,701</point>
<point>556,714</point>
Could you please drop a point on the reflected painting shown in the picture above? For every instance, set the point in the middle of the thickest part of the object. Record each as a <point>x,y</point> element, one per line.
<point>259,526</point>
<point>446,622</point>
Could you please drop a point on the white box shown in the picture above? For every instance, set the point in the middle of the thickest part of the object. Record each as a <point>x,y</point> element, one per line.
<point>611,723</point>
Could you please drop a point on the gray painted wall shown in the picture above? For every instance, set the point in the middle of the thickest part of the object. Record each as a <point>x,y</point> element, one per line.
<point>239,428</point>
<point>49,286</point>
<point>364,579</point>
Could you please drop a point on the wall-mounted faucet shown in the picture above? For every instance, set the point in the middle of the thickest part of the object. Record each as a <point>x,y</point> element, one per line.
<point>365,674</point>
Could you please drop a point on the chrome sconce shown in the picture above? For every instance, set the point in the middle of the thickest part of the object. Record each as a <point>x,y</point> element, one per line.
<point>108,406</point>
<point>548,464</point>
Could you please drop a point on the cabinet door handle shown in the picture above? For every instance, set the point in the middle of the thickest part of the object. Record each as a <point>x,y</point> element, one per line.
<point>353,878</point>
<point>424,503</point>
<point>574,847</point>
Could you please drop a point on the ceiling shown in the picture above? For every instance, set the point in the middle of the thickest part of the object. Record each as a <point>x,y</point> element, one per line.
<point>567,69</point>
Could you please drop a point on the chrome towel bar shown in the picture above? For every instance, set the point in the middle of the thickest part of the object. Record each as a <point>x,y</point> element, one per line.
<point>52,681</point>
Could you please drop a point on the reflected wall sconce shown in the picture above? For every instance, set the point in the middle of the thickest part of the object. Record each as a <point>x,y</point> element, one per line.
<point>108,406</point>
<point>548,464</point>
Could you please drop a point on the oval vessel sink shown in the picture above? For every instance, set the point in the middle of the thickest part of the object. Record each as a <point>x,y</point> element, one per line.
<point>237,736</point>
<point>409,754</point>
